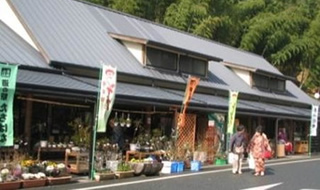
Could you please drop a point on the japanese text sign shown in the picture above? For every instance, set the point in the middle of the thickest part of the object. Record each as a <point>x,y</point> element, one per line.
<point>8,75</point>
<point>107,95</point>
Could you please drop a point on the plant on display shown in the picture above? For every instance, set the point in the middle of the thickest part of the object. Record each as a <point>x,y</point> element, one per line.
<point>81,136</point>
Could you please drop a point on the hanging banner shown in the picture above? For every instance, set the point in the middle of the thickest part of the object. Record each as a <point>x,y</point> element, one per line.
<point>314,120</point>
<point>233,99</point>
<point>8,77</point>
<point>107,95</point>
<point>190,89</point>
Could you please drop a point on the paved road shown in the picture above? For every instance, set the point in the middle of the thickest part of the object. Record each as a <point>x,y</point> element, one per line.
<point>290,175</point>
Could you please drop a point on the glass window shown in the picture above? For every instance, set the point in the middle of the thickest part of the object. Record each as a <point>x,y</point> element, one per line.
<point>260,81</point>
<point>161,59</point>
<point>277,84</point>
<point>192,66</point>
<point>268,83</point>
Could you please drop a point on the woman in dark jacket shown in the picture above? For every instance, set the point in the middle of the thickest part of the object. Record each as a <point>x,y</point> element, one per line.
<point>237,146</point>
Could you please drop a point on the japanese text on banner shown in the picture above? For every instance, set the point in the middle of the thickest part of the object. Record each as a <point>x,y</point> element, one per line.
<point>190,89</point>
<point>233,99</point>
<point>107,95</point>
<point>8,76</point>
<point>314,120</point>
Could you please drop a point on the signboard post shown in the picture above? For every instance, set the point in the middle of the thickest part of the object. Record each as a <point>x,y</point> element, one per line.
<point>233,100</point>
<point>105,101</point>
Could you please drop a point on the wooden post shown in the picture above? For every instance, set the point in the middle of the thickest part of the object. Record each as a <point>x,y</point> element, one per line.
<point>28,120</point>
<point>148,120</point>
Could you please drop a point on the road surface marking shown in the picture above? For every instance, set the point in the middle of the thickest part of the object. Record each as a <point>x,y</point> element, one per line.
<point>186,175</point>
<point>264,187</point>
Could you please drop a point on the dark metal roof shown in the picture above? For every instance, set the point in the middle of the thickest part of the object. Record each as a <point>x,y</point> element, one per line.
<point>13,49</point>
<point>210,102</point>
<point>76,32</point>
<point>128,25</point>
<point>42,80</point>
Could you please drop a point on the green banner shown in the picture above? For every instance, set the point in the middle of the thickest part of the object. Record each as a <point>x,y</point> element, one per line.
<point>8,76</point>
<point>233,99</point>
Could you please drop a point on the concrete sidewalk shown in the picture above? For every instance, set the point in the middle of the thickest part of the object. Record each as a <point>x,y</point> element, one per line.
<point>273,160</point>
<point>85,179</point>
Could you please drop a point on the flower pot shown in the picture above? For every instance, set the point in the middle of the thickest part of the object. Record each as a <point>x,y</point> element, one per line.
<point>133,147</point>
<point>43,144</point>
<point>58,180</point>
<point>104,176</point>
<point>123,174</point>
<point>152,168</point>
<point>137,168</point>
<point>221,162</point>
<point>10,185</point>
<point>34,183</point>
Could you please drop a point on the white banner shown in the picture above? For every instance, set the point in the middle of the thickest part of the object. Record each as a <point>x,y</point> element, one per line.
<point>107,95</point>
<point>314,120</point>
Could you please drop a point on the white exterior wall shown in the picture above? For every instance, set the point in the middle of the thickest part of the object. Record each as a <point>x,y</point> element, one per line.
<point>244,75</point>
<point>136,50</point>
<point>10,19</point>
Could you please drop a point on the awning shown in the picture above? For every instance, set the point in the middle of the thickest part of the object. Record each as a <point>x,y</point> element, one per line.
<point>150,95</point>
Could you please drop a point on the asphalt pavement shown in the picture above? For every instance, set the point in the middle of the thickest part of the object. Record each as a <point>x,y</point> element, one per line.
<point>299,172</point>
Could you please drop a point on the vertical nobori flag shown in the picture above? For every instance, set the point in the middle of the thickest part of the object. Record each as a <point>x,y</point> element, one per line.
<point>107,95</point>
<point>190,89</point>
<point>233,99</point>
<point>8,77</point>
<point>314,120</point>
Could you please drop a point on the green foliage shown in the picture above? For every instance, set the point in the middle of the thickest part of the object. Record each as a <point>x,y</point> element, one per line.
<point>285,32</point>
<point>186,14</point>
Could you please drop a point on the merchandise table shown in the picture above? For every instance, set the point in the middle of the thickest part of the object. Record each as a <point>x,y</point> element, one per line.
<point>46,150</point>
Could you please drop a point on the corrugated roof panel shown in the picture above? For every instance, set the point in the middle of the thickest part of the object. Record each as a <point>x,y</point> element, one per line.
<point>51,80</point>
<point>69,33</point>
<point>13,49</point>
<point>136,27</point>
<point>75,32</point>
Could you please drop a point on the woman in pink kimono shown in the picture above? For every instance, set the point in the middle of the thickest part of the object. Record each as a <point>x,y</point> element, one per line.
<point>258,144</point>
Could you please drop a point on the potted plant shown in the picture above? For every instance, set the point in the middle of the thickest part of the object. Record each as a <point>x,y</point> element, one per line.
<point>81,136</point>
<point>116,119</point>
<point>122,120</point>
<point>221,158</point>
<point>8,180</point>
<point>103,174</point>
<point>128,121</point>
<point>33,174</point>
<point>124,170</point>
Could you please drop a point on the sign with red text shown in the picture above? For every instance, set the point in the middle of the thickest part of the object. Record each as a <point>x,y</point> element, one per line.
<point>107,96</point>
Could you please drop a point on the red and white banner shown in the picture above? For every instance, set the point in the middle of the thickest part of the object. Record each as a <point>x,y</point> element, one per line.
<point>107,95</point>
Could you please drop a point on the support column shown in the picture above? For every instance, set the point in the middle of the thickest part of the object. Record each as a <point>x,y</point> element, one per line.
<point>28,120</point>
<point>148,120</point>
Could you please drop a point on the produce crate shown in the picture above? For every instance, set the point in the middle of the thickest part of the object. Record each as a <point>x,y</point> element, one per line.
<point>195,166</point>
